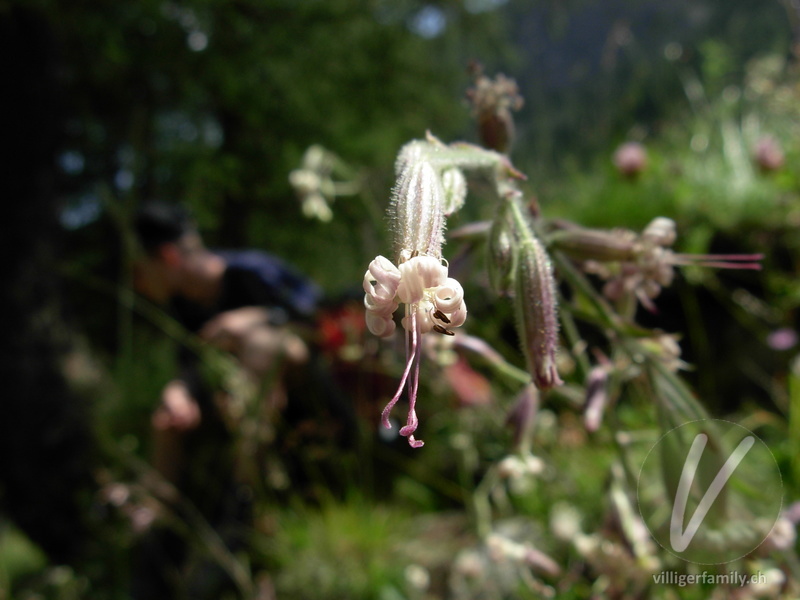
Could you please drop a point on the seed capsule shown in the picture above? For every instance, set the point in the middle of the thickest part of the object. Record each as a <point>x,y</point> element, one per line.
<point>502,258</point>
<point>536,313</point>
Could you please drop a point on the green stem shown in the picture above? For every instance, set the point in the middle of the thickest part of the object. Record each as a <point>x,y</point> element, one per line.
<point>187,520</point>
<point>794,418</point>
<point>522,225</point>
<point>481,504</point>
<point>604,313</point>
<point>576,344</point>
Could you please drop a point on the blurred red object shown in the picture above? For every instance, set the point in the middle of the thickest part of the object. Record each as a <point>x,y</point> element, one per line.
<point>342,328</point>
<point>471,388</point>
<point>769,155</point>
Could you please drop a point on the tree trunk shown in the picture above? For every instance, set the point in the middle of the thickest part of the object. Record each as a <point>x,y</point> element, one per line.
<point>44,434</point>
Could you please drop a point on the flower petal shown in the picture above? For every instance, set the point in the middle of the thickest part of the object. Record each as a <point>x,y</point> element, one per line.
<point>449,296</point>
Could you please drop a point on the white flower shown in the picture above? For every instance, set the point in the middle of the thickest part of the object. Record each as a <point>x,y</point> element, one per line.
<point>430,187</point>
<point>433,302</point>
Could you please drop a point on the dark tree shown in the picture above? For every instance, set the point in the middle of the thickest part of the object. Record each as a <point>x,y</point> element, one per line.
<point>44,439</point>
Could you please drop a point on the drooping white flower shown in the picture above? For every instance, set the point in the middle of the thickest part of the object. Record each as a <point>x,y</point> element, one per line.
<point>433,302</point>
<point>431,185</point>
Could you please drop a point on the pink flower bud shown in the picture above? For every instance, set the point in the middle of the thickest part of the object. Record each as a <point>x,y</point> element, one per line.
<point>769,154</point>
<point>493,101</point>
<point>630,159</point>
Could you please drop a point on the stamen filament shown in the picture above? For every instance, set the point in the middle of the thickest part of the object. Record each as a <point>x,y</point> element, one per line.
<point>720,261</point>
<point>416,351</point>
<point>411,358</point>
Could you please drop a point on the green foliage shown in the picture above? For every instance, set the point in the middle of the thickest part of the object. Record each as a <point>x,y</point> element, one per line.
<point>19,558</point>
<point>340,551</point>
<point>213,103</point>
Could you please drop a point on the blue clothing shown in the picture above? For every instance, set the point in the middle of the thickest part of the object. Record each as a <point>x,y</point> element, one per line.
<point>255,278</point>
<point>268,279</point>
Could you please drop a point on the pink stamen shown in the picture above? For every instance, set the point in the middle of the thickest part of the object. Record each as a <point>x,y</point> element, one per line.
<point>414,354</point>
<point>416,345</point>
<point>411,358</point>
<point>415,443</point>
<point>416,349</point>
<point>646,302</point>
<point>721,261</point>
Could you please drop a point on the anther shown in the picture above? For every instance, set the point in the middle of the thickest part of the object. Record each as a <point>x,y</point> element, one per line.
<point>441,316</point>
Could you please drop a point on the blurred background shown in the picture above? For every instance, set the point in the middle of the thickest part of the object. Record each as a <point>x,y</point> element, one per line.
<point>231,108</point>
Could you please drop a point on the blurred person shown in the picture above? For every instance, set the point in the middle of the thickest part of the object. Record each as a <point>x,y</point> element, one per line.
<point>248,303</point>
<point>239,301</point>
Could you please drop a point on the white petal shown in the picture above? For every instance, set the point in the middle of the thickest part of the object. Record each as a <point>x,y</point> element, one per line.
<point>417,275</point>
<point>458,316</point>
<point>379,325</point>
<point>381,279</point>
<point>449,295</point>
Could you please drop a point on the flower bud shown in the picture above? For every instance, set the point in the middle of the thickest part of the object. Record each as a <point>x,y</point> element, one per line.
<point>316,207</point>
<point>769,155</point>
<point>409,154</point>
<point>455,190</point>
<point>630,159</point>
<point>493,101</point>
<point>660,231</point>
<point>596,398</point>
<point>497,129</point>
<point>305,181</point>
<point>536,313</point>
<point>589,244</point>
<point>502,254</point>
